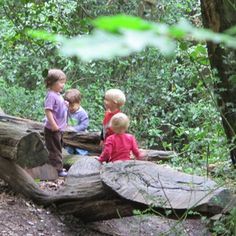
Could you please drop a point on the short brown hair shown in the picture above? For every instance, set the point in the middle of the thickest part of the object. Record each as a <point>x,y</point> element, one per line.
<point>73,96</point>
<point>53,76</point>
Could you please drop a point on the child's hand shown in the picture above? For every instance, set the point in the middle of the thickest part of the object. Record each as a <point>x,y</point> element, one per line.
<point>69,129</point>
<point>54,128</point>
<point>97,158</point>
<point>143,155</point>
<point>67,104</point>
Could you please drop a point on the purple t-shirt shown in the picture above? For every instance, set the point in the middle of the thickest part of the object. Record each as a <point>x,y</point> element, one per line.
<point>55,102</point>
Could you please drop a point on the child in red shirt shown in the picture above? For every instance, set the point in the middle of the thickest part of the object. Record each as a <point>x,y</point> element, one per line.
<point>114,100</point>
<point>119,145</point>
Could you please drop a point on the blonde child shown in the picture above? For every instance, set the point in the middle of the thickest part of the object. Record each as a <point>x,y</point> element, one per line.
<point>113,101</point>
<point>119,145</point>
<point>55,123</point>
<point>77,117</point>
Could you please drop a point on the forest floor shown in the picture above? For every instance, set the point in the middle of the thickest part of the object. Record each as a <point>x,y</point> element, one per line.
<point>19,216</point>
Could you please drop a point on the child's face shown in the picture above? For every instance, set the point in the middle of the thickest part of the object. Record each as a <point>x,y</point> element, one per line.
<point>109,104</point>
<point>58,86</point>
<point>73,107</point>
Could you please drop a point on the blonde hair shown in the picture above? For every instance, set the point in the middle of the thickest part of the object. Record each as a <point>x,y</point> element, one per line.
<point>116,95</point>
<point>73,96</point>
<point>53,76</point>
<point>119,122</point>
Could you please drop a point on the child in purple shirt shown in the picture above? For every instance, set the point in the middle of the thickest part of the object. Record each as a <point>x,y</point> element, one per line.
<point>77,117</point>
<point>55,123</point>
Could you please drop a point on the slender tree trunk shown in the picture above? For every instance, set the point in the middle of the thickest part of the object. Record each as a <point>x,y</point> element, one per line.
<point>220,15</point>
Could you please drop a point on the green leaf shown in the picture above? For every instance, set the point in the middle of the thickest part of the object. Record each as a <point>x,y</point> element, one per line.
<point>99,45</point>
<point>177,32</point>
<point>118,22</point>
<point>104,45</point>
<point>42,34</point>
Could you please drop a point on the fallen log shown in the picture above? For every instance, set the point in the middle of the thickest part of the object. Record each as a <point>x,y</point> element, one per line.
<point>151,155</point>
<point>26,124</point>
<point>90,141</point>
<point>84,140</point>
<point>95,192</point>
<point>158,155</point>
<point>161,186</point>
<point>26,148</point>
<point>22,182</point>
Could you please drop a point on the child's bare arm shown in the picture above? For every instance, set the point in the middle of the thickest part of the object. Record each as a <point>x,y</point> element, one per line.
<point>51,120</point>
<point>139,154</point>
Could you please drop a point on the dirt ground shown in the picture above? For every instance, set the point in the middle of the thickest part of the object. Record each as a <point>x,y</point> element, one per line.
<point>19,216</point>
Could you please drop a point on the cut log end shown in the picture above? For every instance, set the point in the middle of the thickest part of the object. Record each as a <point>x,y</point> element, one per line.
<point>31,151</point>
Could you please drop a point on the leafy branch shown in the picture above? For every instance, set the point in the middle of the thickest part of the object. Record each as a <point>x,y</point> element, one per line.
<point>122,35</point>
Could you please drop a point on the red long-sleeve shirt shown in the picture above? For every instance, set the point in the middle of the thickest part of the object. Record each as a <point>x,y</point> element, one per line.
<point>107,131</point>
<point>118,147</point>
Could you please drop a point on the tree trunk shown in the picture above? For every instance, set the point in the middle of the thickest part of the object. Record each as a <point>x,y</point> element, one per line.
<point>219,16</point>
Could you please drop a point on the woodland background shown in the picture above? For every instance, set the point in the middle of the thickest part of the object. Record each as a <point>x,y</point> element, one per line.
<point>170,100</point>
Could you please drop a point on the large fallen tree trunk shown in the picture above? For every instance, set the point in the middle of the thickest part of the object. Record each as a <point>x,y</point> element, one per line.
<point>22,134</point>
<point>93,191</point>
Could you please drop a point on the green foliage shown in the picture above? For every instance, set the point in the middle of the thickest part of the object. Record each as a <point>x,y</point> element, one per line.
<point>127,35</point>
<point>226,225</point>
<point>21,102</point>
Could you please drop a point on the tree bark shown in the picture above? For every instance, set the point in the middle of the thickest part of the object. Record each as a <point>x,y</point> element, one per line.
<point>84,140</point>
<point>26,148</point>
<point>219,15</point>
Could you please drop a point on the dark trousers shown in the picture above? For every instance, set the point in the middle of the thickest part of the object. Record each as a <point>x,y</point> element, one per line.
<point>53,141</point>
